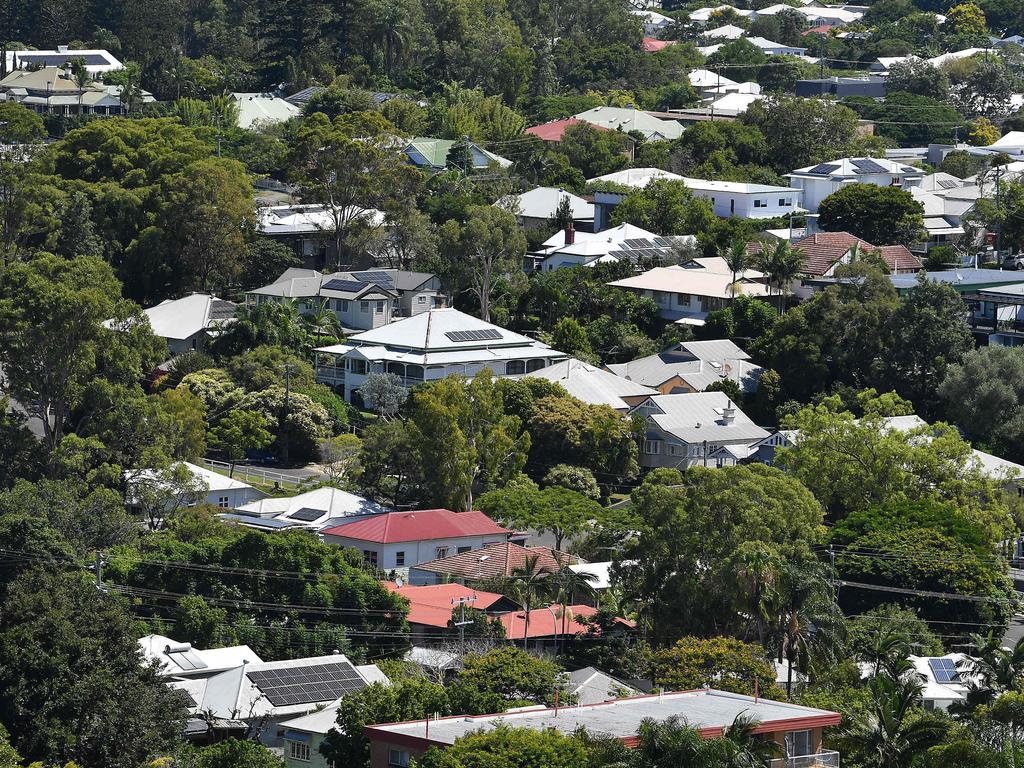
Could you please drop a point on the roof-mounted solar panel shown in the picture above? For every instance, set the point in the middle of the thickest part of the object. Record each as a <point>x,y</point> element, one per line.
<point>483,334</point>
<point>824,169</point>
<point>345,286</point>
<point>307,514</point>
<point>307,684</point>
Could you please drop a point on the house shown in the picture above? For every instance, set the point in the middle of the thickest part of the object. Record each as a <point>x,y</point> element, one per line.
<point>725,32</point>
<point>499,560</point>
<point>309,229</point>
<point>692,366</point>
<point>749,87</point>
<point>264,695</point>
<point>841,87</point>
<point>628,119</point>
<point>182,660</point>
<point>431,606</point>
<point>942,218</point>
<point>946,679</point>
<point>569,248</point>
<point>696,429</point>
<point>188,324</point>
<point>301,737</point>
<point>361,300</point>
<point>96,61</point>
<point>592,385</point>
<point>401,540</point>
<point>821,180</point>
<point>551,626</point>
<point>555,129</point>
<point>653,45</point>
<point>730,105</point>
<point>771,48</point>
<point>796,729</point>
<point>592,686</point>
<point>208,487</point>
<point>653,22</point>
<point>429,346</point>
<point>259,109</point>
<point>53,91</point>
<point>540,205</point>
<point>433,154</point>
<point>313,510</point>
<point>687,292</point>
<point>702,16</point>
<point>701,79</point>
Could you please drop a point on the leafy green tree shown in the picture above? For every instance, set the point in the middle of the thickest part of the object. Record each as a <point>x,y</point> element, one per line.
<point>665,208</point>
<point>888,623</point>
<point>51,298</point>
<point>570,337</point>
<point>559,511</point>
<point>391,466</point>
<point>578,479</point>
<point>593,151</point>
<point>737,55</point>
<point>918,77</point>
<point>19,124</point>
<point>240,431</point>
<point>506,747</point>
<point>263,260</point>
<point>966,19</point>
<point>878,215</point>
<point>502,678</point>
<point>104,707</point>
<point>234,754</point>
<point>489,246</point>
<point>384,393</point>
<point>718,662</point>
<point>409,699</point>
<point>467,442</point>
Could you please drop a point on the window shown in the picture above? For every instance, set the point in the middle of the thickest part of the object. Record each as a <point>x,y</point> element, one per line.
<point>760,204</point>
<point>460,550</point>
<point>732,205</point>
<point>682,299</point>
<point>675,450</point>
<point>399,558</point>
<point>652,447</point>
<point>298,751</point>
<point>534,365</point>
<point>798,744</point>
<point>398,758</point>
<point>441,552</point>
<point>421,299</point>
<point>364,306</point>
<point>343,305</point>
<point>223,502</point>
<point>357,366</point>
<point>515,367</point>
<point>370,556</point>
<point>380,307</point>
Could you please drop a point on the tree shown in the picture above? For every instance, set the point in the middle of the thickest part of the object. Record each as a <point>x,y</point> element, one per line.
<point>19,124</point>
<point>918,77</point>
<point>506,747</point>
<point>737,259</point>
<point>983,132</point>
<point>505,677</point>
<point>77,235</point>
<point>79,302</point>
<point>878,215</point>
<point>263,260</point>
<point>559,511</point>
<point>240,431</point>
<point>348,175</point>
<point>781,265</point>
<point>984,395</point>
<point>593,151</point>
<point>234,754</point>
<point>339,457</point>
<point>489,246</point>
<point>986,90</point>
<point>817,130</point>
<point>578,479</point>
<point>384,393</point>
<point>466,440</point>
<point>391,466</point>
<point>160,494</point>
<point>891,734</point>
<point>665,208</point>
<point>966,19</point>
<point>104,707</point>
<point>408,699</point>
<point>570,337</point>
<point>720,662</point>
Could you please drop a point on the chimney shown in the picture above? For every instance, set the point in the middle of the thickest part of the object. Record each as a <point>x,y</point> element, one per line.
<point>729,413</point>
<point>570,233</point>
<point>62,49</point>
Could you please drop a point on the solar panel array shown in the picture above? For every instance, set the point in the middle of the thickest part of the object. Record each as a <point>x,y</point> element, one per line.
<point>484,334</point>
<point>307,514</point>
<point>948,184</point>
<point>868,166</point>
<point>944,670</point>
<point>305,685</point>
<point>346,286</point>
<point>824,169</point>
<point>377,277</point>
<point>638,248</point>
<point>187,660</point>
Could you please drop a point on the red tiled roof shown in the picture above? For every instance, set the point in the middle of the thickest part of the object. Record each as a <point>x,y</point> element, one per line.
<point>822,250</point>
<point>432,605</point>
<point>544,624</point>
<point>496,560</point>
<point>652,44</point>
<point>554,130</point>
<point>423,525</point>
<point>821,29</point>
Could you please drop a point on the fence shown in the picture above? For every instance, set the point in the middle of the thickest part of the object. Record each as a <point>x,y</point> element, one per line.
<point>826,759</point>
<point>255,475</point>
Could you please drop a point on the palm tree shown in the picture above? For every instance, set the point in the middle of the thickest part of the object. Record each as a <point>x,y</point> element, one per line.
<point>758,572</point>
<point>737,259</point>
<point>672,743</point>
<point>994,669</point>
<point>80,76</point>
<point>393,28</point>
<point>890,734</point>
<point>742,747</point>
<point>322,320</point>
<point>530,582</point>
<point>886,652</point>
<point>781,264</point>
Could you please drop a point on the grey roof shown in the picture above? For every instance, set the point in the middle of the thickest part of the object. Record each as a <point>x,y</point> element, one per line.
<point>714,349</point>
<point>592,686</point>
<point>592,385</point>
<point>705,709</point>
<point>701,416</point>
<point>698,363</point>
<point>960,276</point>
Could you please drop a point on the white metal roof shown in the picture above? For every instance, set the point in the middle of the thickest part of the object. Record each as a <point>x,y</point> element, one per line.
<point>702,416</point>
<point>626,119</point>
<point>637,177</point>
<point>704,78</point>
<point>257,108</point>
<point>183,318</point>
<point>693,282</point>
<point>543,202</point>
<point>428,331</point>
<point>592,385</point>
<point>330,502</point>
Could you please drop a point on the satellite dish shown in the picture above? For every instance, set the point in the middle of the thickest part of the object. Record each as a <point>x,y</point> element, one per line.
<point>399,581</point>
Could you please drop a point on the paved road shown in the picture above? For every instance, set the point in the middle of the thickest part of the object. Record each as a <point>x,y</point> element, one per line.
<point>1014,632</point>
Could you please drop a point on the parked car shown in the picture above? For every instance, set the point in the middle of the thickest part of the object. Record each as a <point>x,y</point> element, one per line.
<point>1014,261</point>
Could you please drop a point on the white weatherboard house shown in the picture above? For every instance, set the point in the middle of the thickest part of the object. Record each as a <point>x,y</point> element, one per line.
<point>568,248</point>
<point>821,180</point>
<point>316,509</point>
<point>430,346</point>
<point>698,429</point>
<point>189,323</point>
<point>212,488</point>
<point>595,386</point>
<point>538,206</point>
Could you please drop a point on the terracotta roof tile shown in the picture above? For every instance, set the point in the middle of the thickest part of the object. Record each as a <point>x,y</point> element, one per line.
<point>496,560</point>
<point>432,605</point>
<point>544,624</point>
<point>822,250</point>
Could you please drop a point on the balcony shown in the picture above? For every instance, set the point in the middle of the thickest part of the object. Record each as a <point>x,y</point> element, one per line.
<point>825,759</point>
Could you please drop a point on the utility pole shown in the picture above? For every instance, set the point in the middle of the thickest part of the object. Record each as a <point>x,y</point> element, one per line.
<point>287,405</point>
<point>98,567</point>
<point>465,156</point>
<point>461,623</point>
